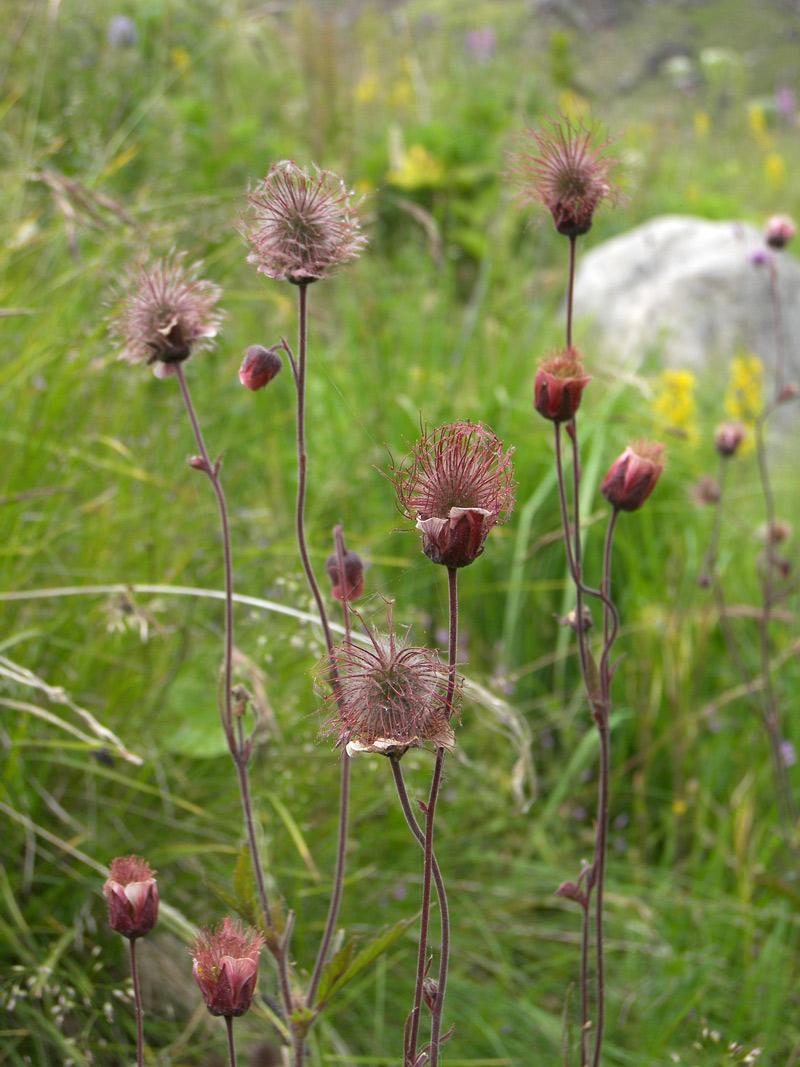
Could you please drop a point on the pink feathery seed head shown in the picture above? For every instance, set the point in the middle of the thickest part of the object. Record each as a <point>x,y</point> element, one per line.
<point>566,166</point>
<point>457,483</point>
<point>729,437</point>
<point>226,966</point>
<point>390,696</point>
<point>164,312</point>
<point>779,231</point>
<point>132,896</point>
<point>560,381</point>
<point>300,225</point>
<point>633,476</point>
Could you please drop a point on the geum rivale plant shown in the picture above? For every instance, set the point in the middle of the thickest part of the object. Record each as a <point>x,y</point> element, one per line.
<point>568,168</point>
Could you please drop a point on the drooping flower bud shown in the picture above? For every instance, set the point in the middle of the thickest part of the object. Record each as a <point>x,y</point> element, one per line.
<point>351,585</point>
<point>560,381</point>
<point>226,966</point>
<point>259,367</point>
<point>728,438</point>
<point>706,490</point>
<point>779,231</point>
<point>132,897</point>
<point>633,476</point>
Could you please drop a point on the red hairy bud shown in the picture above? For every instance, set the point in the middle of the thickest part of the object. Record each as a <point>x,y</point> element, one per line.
<point>728,437</point>
<point>779,231</point>
<point>226,967</point>
<point>132,897</point>
<point>259,367</point>
<point>560,381</point>
<point>351,587</point>
<point>633,476</point>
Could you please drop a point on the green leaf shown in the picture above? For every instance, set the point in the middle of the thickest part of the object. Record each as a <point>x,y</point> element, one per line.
<point>244,885</point>
<point>342,968</point>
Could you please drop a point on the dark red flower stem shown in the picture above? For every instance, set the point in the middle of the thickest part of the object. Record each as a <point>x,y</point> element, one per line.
<point>601,711</point>
<point>239,748</point>
<point>598,687</point>
<point>302,462</point>
<point>777,319</point>
<point>570,289</point>
<point>299,369</point>
<point>430,815</point>
<point>344,804</point>
<point>231,1046</point>
<point>137,998</point>
<point>770,711</point>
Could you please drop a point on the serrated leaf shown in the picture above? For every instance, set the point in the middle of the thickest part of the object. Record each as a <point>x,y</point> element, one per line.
<point>334,969</point>
<point>343,968</point>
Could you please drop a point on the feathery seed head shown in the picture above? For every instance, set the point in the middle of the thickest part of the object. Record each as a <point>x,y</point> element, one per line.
<point>391,696</point>
<point>165,311</point>
<point>457,483</point>
<point>301,226</point>
<point>565,166</point>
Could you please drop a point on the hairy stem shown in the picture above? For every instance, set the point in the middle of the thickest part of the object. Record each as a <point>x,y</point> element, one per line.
<point>137,997</point>
<point>231,1046</point>
<point>238,748</point>
<point>302,462</point>
<point>344,805</point>
<point>601,711</point>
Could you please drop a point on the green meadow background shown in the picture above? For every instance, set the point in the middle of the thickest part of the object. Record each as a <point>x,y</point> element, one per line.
<point>111,149</point>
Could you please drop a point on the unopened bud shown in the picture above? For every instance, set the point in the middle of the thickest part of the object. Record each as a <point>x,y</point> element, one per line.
<point>789,392</point>
<point>779,231</point>
<point>560,381</point>
<point>259,367</point>
<point>728,437</point>
<point>571,619</point>
<point>633,476</point>
<point>351,585</point>
<point>430,990</point>
<point>706,491</point>
<point>132,897</point>
<point>198,463</point>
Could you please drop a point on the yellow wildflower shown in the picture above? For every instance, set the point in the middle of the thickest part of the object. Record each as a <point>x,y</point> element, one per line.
<point>417,169</point>
<point>674,404</point>
<point>679,806</point>
<point>366,90</point>
<point>180,58</point>
<point>775,169</point>
<point>702,124</point>
<point>757,121</point>
<point>744,397</point>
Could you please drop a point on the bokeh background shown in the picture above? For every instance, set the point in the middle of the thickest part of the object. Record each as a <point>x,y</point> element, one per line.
<point>135,127</point>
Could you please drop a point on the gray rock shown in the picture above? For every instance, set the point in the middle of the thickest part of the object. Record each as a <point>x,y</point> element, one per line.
<point>688,291</point>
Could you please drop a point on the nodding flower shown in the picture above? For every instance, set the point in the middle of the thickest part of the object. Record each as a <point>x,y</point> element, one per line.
<point>632,477</point>
<point>132,896</point>
<point>457,483</point>
<point>560,381</point>
<point>226,966</point>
